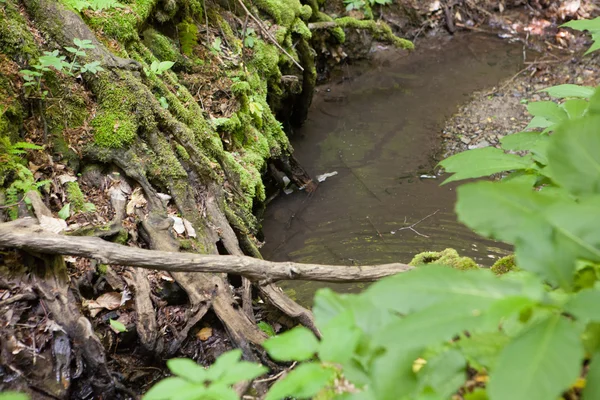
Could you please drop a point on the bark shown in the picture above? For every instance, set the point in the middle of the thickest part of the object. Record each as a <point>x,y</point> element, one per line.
<point>25,234</point>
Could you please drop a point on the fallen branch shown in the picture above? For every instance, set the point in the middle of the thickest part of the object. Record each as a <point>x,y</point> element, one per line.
<point>26,234</point>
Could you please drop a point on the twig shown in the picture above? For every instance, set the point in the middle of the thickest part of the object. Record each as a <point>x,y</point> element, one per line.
<point>206,19</point>
<point>277,376</point>
<point>412,227</point>
<point>12,205</point>
<point>505,84</point>
<point>271,38</point>
<point>376,230</point>
<point>18,297</point>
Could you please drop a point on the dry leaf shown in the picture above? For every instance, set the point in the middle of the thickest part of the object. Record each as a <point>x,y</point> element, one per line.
<point>137,201</point>
<point>204,334</point>
<point>64,178</point>
<point>191,232</point>
<point>50,224</point>
<point>178,225</point>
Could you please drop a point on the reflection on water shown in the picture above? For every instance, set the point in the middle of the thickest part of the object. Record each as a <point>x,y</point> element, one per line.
<point>378,126</point>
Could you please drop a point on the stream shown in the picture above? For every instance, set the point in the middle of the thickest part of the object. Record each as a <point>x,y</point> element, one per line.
<point>378,127</point>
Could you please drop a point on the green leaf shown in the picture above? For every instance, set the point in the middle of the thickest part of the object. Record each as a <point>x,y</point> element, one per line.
<point>392,375</point>
<point>433,325</point>
<point>187,369</point>
<point>242,371</point>
<point>568,90</point>
<point>303,382</point>
<point>540,364</point>
<point>522,141</point>
<point>591,25</point>
<point>584,305</point>
<point>169,388</point>
<point>548,110</point>
<point>575,108</point>
<point>573,155</point>
<point>65,212</point>
<point>266,328</point>
<point>539,122</point>
<point>327,305</point>
<point>297,344</point>
<point>13,396</point>
<point>427,285</point>
<point>477,394</point>
<point>482,349</point>
<point>592,379</point>
<point>339,338</point>
<point>444,374</point>
<point>117,326</point>
<point>482,162</point>
<point>164,66</point>
<point>223,363</point>
<point>219,392</point>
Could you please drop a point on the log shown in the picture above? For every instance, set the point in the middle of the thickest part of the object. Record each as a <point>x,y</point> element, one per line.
<point>26,234</point>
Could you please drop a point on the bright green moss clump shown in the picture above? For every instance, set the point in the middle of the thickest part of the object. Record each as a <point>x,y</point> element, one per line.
<point>161,46</point>
<point>504,265</point>
<point>380,31</point>
<point>282,11</point>
<point>113,128</point>
<point>449,257</point>
<point>188,37</point>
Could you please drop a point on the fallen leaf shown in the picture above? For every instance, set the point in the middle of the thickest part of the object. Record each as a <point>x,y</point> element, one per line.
<point>64,178</point>
<point>204,334</point>
<point>50,224</point>
<point>191,232</point>
<point>178,225</point>
<point>137,201</point>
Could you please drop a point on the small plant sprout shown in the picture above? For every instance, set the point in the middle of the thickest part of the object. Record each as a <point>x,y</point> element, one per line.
<point>158,67</point>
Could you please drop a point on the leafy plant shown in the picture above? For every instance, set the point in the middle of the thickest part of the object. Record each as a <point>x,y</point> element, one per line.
<point>117,326</point>
<point>215,46</point>
<point>95,5</point>
<point>159,67</point>
<point>53,60</point>
<point>12,170</point>
<point>360,4</point>
<point>192,381</point>
<point>249,37</point>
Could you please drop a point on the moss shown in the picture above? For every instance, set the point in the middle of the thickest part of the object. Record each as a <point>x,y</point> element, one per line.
<point>75,196</point>
<point>182,152</point>
<point>102,269</point>
<point>265,60</point>
<point>380,30</point>
<point>337,32</point>
<point>121,237</point>
<point>161,46</point>
<point>16,41</point>
<point>306,12</point>
<point>449,257</point>
<point>122,25</point>
<point>113,128</point>
<point>188,37</point>
<point>504,265</point>
<point>300,28</point>
<point>282,11</point>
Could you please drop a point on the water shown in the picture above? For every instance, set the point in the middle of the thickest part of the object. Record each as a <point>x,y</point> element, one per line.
<point>378,126</point>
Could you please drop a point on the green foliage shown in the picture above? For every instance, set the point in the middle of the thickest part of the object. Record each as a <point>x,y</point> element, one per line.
<point>192,381</point>
<point>13,396</point>
<point>188,37</point>
<point>360,4</point>
<point>52,60</point>
<point>13,170</point>
<point>159,67</point>
<point>95,5</point>
<point>117,326</point>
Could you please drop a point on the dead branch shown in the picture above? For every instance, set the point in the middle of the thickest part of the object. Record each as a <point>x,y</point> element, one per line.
<point>26,234</point>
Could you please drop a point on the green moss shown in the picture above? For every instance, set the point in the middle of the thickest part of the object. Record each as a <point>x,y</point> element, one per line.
<point>122,25</point>
<point>161,46</point>
<point>188,37</point>
<point>182,152</point>
<point>380,30</point>
<point>300,28</point>
<point>306,12</point>
<point>16,41</point>
<point>504,265</point>
<point>265,60</point>
<point>282,11</point>
<point>337,32</point>
<point>121,237</point>
<point>114,129</point>
<point>102,269</point>
<point>75,196</point>
<point>449,257</point>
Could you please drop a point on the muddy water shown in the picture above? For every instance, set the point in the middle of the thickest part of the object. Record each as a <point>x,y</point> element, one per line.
<point>378,126</point>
